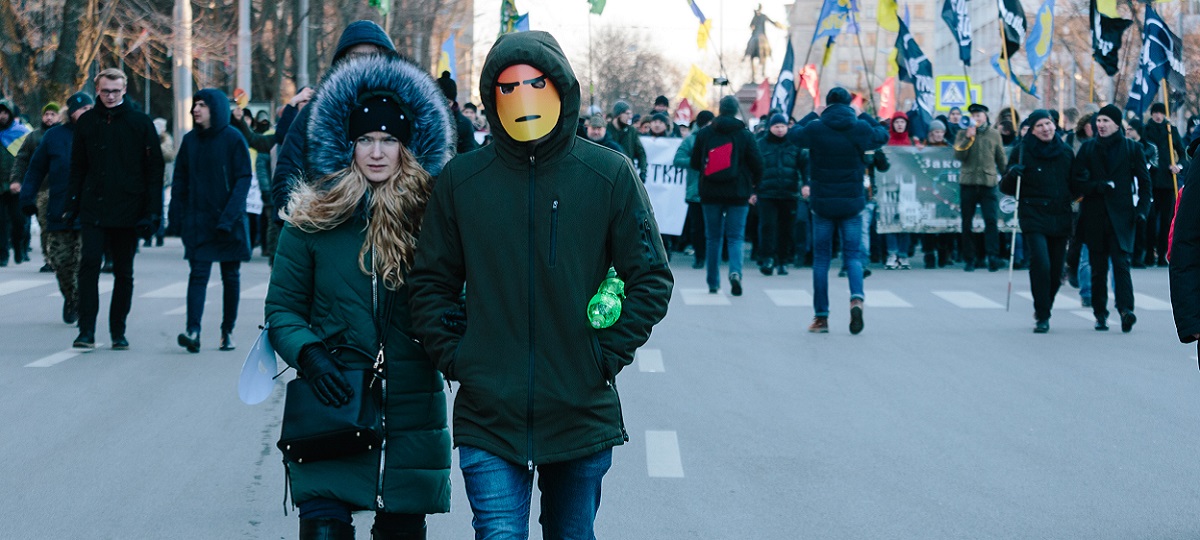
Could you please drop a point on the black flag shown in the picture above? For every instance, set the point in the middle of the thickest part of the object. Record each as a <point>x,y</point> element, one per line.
<point>958,18</point>
<point>1106,39</point>
<point>915,68</point>
<point>1012,15</point>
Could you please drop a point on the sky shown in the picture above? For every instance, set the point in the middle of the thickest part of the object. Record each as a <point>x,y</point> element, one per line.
<point>669,24</point>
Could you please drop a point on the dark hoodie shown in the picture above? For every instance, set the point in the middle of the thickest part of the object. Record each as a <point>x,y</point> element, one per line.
<point>208,193</point>
<point>532,229</point>
<point>290,166</point>
<point>726,126</point>
<point>836,143</point>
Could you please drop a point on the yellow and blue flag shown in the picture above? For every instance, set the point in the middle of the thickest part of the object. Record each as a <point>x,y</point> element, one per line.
<point>834,15</point>
<point>446,60</point>
<point>1041,37</point>
<point>705,25</point>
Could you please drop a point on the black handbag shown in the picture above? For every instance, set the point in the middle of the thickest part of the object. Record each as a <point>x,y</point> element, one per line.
<point>313,431</point>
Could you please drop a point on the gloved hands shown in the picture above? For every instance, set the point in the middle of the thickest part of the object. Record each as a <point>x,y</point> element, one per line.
<point>147,226</point>
<point>1108,187</point>
<point>1016,169</point>
<point>29,210</point>
<point>455,319</point>
<point>325,376</point>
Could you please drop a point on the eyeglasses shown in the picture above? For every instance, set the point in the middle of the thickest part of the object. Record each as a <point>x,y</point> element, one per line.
<point>507,88</point>
<point>112,92</point>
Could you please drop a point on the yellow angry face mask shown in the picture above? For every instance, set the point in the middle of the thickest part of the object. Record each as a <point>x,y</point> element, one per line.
<point>527,103</point>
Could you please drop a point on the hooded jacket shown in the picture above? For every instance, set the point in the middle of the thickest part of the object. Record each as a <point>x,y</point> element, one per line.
<point>50,168</point>
<point>532,229</point>
<point>319,295</point>
<point>899,138</point>
<point>116,167</point>
<point>209,187</point>
<point>748,159</point>
<point>784,168</point>
<point>837,142</point>
<point>290,167</point>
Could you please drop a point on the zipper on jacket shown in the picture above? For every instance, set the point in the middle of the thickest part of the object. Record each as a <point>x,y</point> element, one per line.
<point>532,243</point>
<point>382,385</point>
<point>553,233</point>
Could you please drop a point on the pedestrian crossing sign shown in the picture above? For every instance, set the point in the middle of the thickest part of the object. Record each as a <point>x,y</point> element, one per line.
<point>952,92</point>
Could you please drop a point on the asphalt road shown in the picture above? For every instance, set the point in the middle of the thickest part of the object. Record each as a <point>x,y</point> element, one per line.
<point>947,418</point>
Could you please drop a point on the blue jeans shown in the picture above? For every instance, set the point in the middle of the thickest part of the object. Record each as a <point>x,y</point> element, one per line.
<point>499,492</point>
<point>850,230</point>
<point>897,244</point>
<point>1085,274</point>
<point>724,222</point>
<point>868,216</point>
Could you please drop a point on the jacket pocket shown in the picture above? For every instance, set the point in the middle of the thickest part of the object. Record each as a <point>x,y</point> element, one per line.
<point>598,357</point>
<point>553,233</point>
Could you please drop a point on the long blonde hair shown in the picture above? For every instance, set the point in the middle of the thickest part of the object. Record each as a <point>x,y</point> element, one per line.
<point>395,210</point>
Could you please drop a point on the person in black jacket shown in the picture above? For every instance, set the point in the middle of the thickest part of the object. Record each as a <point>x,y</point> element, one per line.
<point>1143,239</point>
<point>1170,163</point>
<point>116,192</point>
<point>1184,259</point>
<point>597,132</point>
<point>1106,169</point>
<point>728,177</point>
<point>778,195</point>
<point>1042,163</point>
<point>466,134</point>
<point>837,143</point>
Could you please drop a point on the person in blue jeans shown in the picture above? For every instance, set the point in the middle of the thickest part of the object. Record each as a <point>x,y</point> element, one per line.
<point>731,167</point>
<point>841,146</point>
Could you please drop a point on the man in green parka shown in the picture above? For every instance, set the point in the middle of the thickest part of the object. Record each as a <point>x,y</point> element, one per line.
<point>531,224</point>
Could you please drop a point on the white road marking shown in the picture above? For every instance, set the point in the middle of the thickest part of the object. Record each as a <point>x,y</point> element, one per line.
<point>701,297</point>
<point>968,300</point>
<point>662,455</point>
<point>104,287</point>
<point>1025,294</point>
<point>174,290</point>
<point>1149,303</point>
<point>59,357</point>
<point>884,299</point>
<point>18,285</point>
<point>650,360</point>
<point>181,310</point>
<point>790,297</point>
<point>1085,314</point>
<point>258,292</point>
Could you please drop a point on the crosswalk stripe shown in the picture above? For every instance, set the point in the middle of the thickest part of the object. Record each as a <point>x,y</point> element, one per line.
<point>1149,303</point>
<point>790,297</point>
<point>1025,294</point>
<point>59,357</point>
<point>18,285</point>
<point>701,297</point>
<point>105,287</point>
<point>884,299</point>
<point>650,360</point>
<point>968,300</point>
<point>1084,314</point>
<point>662,455</point>
<point>174,290</point>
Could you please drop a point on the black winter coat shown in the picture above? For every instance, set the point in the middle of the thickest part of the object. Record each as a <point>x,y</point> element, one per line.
<point>748,159</point>
<point>784,168</point>
<point>836,143</point>
<point>1156,133</point>
<point>51,164</point>
<point>1184,255</point>
<point>1045,203</point>
<point>1101,206</point>
<point>116,167</point>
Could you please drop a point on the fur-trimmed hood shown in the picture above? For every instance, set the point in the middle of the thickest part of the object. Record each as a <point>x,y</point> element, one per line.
<point>434,136</point>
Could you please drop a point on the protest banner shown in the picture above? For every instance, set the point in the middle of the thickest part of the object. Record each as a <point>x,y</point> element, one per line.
<point>919,194</point>
<point>666,184</point>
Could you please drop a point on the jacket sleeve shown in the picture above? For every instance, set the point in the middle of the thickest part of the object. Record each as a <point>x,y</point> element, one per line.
<point>260,143</point>
<point>1014,158</point>
<point>21,165</point>
<point>437,276</point>
<point>290,165</point>
<point>1185,261</point>
<point>802,166</point>
<point>240,175</point>
<point>960,140</point>
<point>180,184</point>
<point>683,156</point>
<point>998,155</point>
<point>79,167</point>
<point>285,123</point>
<point>754,159</point>
<point>38,165</point>
<point>879,134</point>
<point>1081,183</point>
<point>639,153</point>
<point>1141,175</point>
<point>153,167</point>
<point>290,295</point>
<point>641,261</point>
<point>697,149</point>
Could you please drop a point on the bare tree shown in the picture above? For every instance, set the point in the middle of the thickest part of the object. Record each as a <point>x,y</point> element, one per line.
<point>628,67</point>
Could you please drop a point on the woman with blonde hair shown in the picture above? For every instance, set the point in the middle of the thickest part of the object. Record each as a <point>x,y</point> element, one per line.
<point>338,299</point>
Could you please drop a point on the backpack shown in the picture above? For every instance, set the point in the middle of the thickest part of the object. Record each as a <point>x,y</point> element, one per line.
<point>720,158</point>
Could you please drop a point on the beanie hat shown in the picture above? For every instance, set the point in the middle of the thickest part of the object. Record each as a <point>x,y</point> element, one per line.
<point>596,121</point>
<point>1158,108</point>
<point>661,100</point>
<point>937,125</point>
<point>728,106</point>
<point>661,117</point>
<point>52,106</point>
<point>380,111</point>
<point>619,108</point>
<point>777,119</point>
<point>78,101</point>
<point>1037,116</point>
<point>704,118</point>
<point>1112,112</point>
<point>1137,126</point>
<point>837,96</point>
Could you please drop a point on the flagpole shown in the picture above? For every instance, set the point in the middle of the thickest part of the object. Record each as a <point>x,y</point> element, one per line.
<point>1012,247</point>
<point>591,72</point>
<point>1170,142</point>
<point>870,79</point>
<point>1092,83</point>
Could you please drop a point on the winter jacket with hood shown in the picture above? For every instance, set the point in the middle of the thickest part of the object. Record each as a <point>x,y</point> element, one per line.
<point>116,168</point>
<point>319,296</point>
<point>983,159</point>
<point>532,229</point>
<point>210,183</point>
<point>1185,258</point>
<point>747,158</point>
<point>837,142</point>
<point>785,167</point>
<point>899,138</point>
<point>629,139</point>
<point>292,154</point>
<point>50,168</point>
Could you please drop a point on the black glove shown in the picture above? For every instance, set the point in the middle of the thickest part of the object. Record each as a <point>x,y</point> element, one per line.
<point>29,210</point>
<point>455,318</point>
<point>147,226</point>
<point>1108,187</point>
<point>1016,169</point>
<point>322,371</point>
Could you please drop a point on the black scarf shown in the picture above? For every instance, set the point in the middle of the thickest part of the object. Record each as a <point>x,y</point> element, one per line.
<point>1043,151</point>
<point>1112,154</point>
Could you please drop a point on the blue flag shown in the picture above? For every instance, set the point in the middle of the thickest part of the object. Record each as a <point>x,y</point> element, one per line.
<point>521,24</point>
<point>998,64</point>
<point>915,68</point>
<point>834,15</point>
<point>1162,57</point>
<point>783,96</point>
<point>958,18</point>
<point>1041,37</point>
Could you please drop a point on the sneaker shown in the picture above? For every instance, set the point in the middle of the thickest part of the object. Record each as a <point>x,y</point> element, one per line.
<point>120,343</point>
<point>1101,324</point>
<point>766,270</point>
<point>820,325</point>
<point>46,269</point>
<point>712,290</point>
<point>735,284</point>
<point>86,340</point>
<point>1041,327</point>
<point>227,342</point>
<point>189,341</point>
<point>995,264</point>
<point>893,263</point>
<point>904,263</point>
<point>70,312</point>
<point>781,270</point>
<point>1127,320</point>
<point>856,316</point>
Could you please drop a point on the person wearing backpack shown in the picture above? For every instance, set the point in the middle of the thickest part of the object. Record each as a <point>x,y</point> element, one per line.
<point>731,167</point>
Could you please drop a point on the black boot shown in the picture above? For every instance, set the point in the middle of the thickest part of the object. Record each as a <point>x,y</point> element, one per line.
<point>325,529</point>
<point>376,534</point>
<point>227,341</point>
<point>190,341</point>
<point>398,527</point>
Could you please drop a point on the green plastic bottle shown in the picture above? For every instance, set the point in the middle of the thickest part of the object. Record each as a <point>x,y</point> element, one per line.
<point>605,307</point>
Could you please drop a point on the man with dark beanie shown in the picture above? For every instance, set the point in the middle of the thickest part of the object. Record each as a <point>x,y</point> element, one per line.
<point>1171,157</point>
<point>730,168</point>
<point>623,131</point>
<point>784,166</point>
<point>1104,174</point>
<point>837,143</point>
<point>694,222</point>
<point>466,133</point>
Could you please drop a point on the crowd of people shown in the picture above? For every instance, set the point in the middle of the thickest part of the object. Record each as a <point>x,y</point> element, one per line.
<point>384,208</point>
